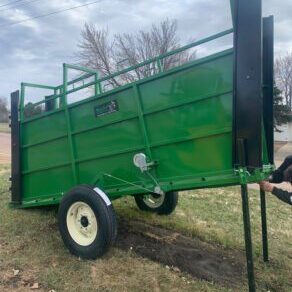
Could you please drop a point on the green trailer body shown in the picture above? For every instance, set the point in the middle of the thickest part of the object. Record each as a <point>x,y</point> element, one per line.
<point>206,123</point>
<point>181,119</point>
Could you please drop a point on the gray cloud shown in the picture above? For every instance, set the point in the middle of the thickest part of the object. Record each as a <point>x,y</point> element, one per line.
<point>34,51</point>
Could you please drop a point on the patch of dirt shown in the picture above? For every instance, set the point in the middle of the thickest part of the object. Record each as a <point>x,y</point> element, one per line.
<point>5,152</point>
<point>181,253</point>
<point>20,281</point>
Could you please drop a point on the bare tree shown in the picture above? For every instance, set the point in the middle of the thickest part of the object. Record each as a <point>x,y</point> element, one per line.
<point>283,76</point>
<point>107,55</point>
<point>144,45</point>
<point>3,110</point>
<point>282,112</point>
<point>96,51</point>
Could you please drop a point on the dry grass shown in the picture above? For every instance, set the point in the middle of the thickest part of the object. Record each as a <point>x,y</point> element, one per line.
<point>215,215</point>
<point>30,243</point>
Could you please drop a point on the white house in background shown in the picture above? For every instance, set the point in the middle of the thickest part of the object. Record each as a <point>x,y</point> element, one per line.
<point>286,133</point>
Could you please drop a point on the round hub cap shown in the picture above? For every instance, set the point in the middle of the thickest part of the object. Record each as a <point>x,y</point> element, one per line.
<point>154,200</point>
<point>82,223</point>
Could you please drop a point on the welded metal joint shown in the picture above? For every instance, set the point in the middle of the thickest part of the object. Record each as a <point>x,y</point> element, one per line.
<point>243,175</point>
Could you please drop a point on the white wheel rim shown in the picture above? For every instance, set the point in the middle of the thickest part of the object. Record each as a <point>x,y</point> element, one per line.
<point>154,201</point>
<point>82,223</point>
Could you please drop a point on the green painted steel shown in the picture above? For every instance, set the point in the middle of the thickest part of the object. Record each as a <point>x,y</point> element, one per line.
<point>181,119</point>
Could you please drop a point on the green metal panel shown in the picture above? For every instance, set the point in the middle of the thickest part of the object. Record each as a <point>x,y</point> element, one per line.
<point>181,119</point>
<point>43,129</point>
<point>49,183</point>
<point>37,156</point>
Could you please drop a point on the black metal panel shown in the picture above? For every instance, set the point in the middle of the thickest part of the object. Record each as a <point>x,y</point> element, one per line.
<point>15,150</point>
<point>248,81</point>
<point>50,103</point>
<point>268,84</point>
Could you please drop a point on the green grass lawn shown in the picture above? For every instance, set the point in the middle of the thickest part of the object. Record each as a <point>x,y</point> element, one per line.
<point>4,128</point>
<point>30,242</point>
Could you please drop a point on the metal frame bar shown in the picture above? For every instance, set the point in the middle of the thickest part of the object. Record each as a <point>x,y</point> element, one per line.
<point>264,226</point>
<point>227,178</point>
<point>81,68</point>
<point>38,85</point>
<point>137,98</point>
<point>232,11</point>
<point>91,72</point>
<point>268,115</point>
<point>16,196</point>
<point>22,95</point>
<point>69,126</point>
<point>247,238</point>
<point>246,217</point>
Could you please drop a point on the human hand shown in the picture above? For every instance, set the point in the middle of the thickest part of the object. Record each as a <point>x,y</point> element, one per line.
<point>266,186</point>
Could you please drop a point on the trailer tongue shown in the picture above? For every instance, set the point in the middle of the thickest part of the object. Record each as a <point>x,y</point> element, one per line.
<point>206,123</point>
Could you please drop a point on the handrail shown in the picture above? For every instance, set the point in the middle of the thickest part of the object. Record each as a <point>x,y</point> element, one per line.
<point>97,81</point>
<point>80,68</point>
<point>38,85</point>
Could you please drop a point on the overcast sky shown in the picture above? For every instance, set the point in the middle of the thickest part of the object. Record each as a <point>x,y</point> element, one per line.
<point>34,51</point>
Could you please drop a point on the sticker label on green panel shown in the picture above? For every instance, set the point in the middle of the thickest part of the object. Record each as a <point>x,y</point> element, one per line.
<point>106,108</point>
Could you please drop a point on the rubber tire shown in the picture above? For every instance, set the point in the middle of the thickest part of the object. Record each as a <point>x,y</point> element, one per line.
<point>105,216</point>
<point>167,207</point>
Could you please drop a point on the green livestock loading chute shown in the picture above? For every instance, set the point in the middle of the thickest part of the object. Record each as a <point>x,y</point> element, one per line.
<point>206,123</point>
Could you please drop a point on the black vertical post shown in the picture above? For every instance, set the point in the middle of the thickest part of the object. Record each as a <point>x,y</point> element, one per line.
<point>268,84</point>
<point>246,218</point>
<point>247,103</point>
<point>247,237</point>
<point>15,150</point>
<point>268,113</point>
<point>264,226</point>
